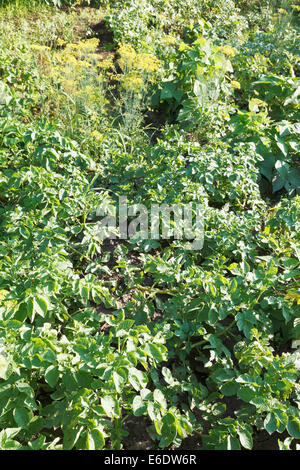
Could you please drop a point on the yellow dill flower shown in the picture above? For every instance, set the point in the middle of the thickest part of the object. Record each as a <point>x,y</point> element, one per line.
<point>293,296</point>
<point>90,44</point>
<point>146,62</point>
<point>57,56</point>
<point>255,103</point>
<point>201,41</point>
<point>69,85</point>
<point>65,58</point>
<point>228,50</point>
<point>88,94</point>
<point>200,70</point>
<point>183,47</point>
<point>61,42</point>
<point>131,81</point>
<point>88,89</point>
<point>169,40</point>
<point>72,47</point>
<point>127,55</point>
<point>93,57</point>
<point>235,84</point>
<point>282,11</point>
<point>85,47</point>
<point>295,7</point>
<point>115,76</point>
<point>129,58</point>
<point>83,63</point>
<point>97,136</point>
<point>259,102</point>
<point>38,47</point>
<point>3,295</point>
<point>106,63</point>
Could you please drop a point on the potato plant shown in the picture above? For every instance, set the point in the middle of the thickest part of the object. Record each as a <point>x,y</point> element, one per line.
<point>165,103</point>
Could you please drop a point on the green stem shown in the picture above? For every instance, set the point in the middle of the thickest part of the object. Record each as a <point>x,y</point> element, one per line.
<point>155,291</point>
<point>221,333</point>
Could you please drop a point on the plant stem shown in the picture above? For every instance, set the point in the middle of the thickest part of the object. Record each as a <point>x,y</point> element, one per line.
<point>221,333</point>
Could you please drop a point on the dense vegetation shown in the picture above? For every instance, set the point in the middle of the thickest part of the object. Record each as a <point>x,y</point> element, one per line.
<point>163,101</point>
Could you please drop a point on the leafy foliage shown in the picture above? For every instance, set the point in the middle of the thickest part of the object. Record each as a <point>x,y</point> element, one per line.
<point>94,333</point>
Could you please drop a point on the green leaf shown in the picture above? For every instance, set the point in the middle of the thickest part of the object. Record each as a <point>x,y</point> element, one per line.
<point>246,394</point>
<point>282,146</point>
<point>40,305</point>
<point>233,443</point>
<point>30,308</point>
<point>137,378</point>
<point>71,436</point>
<point>119,378</point>
<point>232,286</point>
<point>229,389</point>
<point>212,289</point>
<point>153,410</point>
<point>271,423</point>
<point>111,406</point>
<point>5,96</point>
<point>38,443</point>
<point>22,416</point>
<point>245,439</point>
<point>278,183</point>
<point>283,420</point>
<point>159,397</point>
<point>154,352</point>
<point>12,445</point>
<point>138,406</point>
<point>168,430</point>
<point>124,328</point>
<point>84,292</point>
<point>96,439</point>
<point>293,427</point>
<point>169,91</point>
<point>290,262</point>
<point>22,312</point>
<point>52,375</point>
<point>3,367</point>
<point>69,380</point>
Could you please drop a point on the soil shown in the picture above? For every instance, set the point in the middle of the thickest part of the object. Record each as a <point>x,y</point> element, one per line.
<point>138,437</point>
